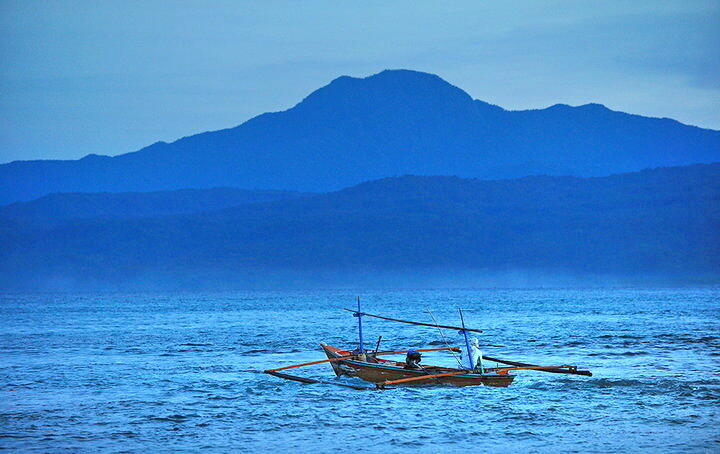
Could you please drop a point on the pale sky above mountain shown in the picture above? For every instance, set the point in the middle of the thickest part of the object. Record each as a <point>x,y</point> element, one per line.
<point>111,77</point>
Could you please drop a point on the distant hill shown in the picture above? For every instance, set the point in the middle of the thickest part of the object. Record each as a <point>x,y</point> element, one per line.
<point>66,206</point>
<point>660,222</point>
<point>393,123</point>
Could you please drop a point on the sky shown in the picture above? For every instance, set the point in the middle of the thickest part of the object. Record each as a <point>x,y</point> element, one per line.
<point>111,77</point>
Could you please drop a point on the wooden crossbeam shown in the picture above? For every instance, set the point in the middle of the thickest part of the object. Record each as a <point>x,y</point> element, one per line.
<point>421,377</point>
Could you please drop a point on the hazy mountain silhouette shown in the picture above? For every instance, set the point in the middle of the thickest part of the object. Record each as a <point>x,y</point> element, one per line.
<point>655,222</point>
<point>393,123</point>
<point>65,206</point>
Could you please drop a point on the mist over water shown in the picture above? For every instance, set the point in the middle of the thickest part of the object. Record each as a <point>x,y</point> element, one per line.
<point>179,371</point>
<point>357,278</point>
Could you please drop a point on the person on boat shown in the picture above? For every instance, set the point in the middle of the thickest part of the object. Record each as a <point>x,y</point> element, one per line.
<point>476,354</point>
<point>412,360</point>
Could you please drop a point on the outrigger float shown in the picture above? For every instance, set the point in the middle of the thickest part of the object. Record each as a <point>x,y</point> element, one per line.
<point>367,365</point>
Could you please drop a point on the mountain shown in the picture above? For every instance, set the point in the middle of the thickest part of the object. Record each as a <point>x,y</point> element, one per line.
<point>62,207</point>
<point>660,222</point>
<point>392,123</point>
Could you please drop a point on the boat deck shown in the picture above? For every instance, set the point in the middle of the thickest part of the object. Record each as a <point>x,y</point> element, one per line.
<point>378,370</point>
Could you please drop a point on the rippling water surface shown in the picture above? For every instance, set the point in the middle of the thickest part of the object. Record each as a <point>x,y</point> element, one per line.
<point>178,372</point>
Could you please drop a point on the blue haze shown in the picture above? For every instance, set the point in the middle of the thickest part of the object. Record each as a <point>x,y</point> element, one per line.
<point>574,193</point>
<point>655,226</point>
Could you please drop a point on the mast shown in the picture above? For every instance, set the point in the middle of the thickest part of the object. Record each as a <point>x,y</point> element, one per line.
<point>359,314</point>
<point>467,342</point>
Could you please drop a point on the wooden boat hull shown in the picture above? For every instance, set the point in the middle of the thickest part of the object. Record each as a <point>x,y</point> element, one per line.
<point>376,370</point>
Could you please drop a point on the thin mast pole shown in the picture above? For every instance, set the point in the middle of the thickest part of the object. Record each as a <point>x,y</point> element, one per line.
<point>359,314</point>
<point>467,341</point>
<point>377,346</point>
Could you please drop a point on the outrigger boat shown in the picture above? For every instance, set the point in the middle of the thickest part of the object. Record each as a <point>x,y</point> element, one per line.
<point>367,365</point>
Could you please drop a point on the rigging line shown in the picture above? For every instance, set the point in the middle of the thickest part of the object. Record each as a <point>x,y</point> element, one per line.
<point>411,322</point>
<point>442,335</point>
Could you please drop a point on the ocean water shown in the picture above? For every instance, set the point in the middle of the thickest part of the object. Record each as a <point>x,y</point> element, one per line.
<point>180,372</point>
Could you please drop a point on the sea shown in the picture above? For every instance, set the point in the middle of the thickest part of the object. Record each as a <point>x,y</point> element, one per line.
<point>182,372</point>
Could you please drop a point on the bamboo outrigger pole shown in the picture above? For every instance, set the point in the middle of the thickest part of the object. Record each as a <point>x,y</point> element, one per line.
<point>422,377</point>
<point>505,370</point>
<point>459,328</point>
<point>312,381</point>
<point>573,370</point>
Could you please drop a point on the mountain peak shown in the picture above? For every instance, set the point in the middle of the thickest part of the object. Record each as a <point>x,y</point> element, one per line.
<point>590,107</point>
<point>391,84</point>
<point>594,105</point>
<point>406,74</point>
<point>394,75</point>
